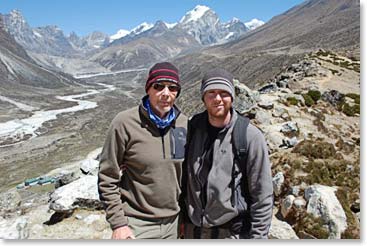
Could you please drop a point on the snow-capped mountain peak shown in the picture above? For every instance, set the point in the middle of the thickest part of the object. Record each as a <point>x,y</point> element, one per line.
<point>231,22</point>
<point>141,28</point>
<point>234,19</point>
<point>254,23</point>
<point>194,14</point>
<point>120,33</point>
<point>170,25</point>
<point>17,15</point>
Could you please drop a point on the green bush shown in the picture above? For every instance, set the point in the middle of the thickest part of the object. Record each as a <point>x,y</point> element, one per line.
<point>355,97</point>
<point>315,149</point>
<point>292,101</point>
<point>311,225</point>
<point>352,231</point>
<point>314,94</point>
<point>308,100</point>
<point>351,110</point>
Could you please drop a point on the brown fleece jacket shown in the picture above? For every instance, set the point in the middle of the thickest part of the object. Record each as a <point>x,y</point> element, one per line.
<point>139,175</point>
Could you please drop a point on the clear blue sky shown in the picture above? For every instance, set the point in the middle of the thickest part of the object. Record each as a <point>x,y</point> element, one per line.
<point>108,16</point>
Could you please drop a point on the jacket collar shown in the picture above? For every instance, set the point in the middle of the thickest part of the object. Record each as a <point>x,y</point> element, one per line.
<point>145,117</point>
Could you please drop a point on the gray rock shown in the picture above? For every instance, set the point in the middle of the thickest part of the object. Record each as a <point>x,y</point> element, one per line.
<point>334,97</point>
<point>289,127</point>
<point>268,88</point>
<point>281,230</point>
<point>274,138</point>
<point>66,177</point>
<point>90,219</point>
<point>278,112</point>
<point>14,228</point>
<point>286,205</point>
<point>322,202</point>
<point>10,200</point>
<point>289,142</point>
<point>263,117</point>
<point>266,104</point>
<point>245,98</point>
<point>295,190</point>
<point>89,166</point>
<point>278,181</point>
<point>84,190</point>
<point>282,83</point>
<point>299,203</point>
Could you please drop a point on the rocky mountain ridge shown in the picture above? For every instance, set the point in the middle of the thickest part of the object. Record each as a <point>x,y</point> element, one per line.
<point>51,40</point>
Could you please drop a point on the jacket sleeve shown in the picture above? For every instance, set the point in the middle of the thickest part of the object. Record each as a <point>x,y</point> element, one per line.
<point>259,184</point>
<point>109,176</point>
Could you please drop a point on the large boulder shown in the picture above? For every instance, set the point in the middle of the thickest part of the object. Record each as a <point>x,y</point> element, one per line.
<point>80,193</point>
<point>322,202</point>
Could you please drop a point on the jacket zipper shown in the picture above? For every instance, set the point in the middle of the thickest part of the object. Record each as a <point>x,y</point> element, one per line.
<point>173,150</point>
<point>201,193</point>
<point>164,151</point>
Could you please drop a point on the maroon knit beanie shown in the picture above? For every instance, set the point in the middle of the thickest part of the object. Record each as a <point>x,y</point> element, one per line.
<point>164,71</point>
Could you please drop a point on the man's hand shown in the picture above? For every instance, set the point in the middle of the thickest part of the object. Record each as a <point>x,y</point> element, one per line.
<point>123,232</point>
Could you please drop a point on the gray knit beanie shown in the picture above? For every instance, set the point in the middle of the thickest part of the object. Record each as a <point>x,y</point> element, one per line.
<point>218,79</point>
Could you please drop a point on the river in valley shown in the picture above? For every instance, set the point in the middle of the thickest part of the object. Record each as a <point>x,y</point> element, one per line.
<point>17,130</point>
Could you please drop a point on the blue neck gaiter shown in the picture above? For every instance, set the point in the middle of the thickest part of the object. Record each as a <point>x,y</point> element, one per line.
<point>160,123</point>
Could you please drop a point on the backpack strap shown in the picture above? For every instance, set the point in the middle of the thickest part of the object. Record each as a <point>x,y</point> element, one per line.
<point>240,191</point>
<point>239,140</point>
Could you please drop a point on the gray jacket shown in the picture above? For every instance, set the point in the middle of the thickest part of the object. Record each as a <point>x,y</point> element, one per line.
<point>219,208</point>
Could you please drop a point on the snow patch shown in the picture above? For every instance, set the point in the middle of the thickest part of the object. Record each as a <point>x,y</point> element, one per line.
<point>254,23</point>
<point>120,34</point>
<point>230,34</point>
<point>170,25</point>
<point>7,63</point>
<point>141,28</point>
<point>37,34</point>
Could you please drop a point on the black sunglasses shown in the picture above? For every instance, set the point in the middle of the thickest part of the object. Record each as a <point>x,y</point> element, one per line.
<point>171,88</point>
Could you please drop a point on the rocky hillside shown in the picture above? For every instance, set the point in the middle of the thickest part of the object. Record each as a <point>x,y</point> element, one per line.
<point>309,113</point>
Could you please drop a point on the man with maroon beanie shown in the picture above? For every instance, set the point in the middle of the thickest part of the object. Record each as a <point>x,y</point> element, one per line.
<point>141,162</point>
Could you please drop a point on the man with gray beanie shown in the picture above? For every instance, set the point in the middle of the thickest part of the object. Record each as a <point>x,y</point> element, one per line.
<point>227,183</point>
